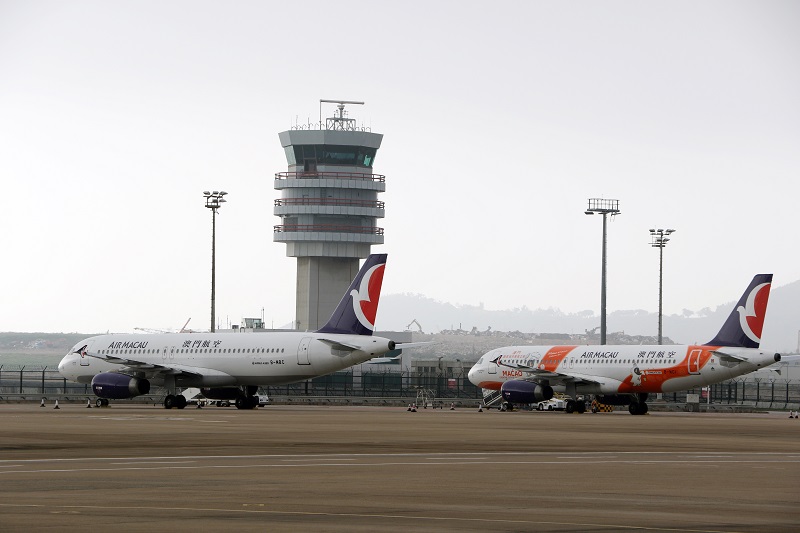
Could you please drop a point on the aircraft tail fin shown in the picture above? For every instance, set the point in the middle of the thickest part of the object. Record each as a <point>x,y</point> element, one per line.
<point>744,324</point>
<point>355,314</point>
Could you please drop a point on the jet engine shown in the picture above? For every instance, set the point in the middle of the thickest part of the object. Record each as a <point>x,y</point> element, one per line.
<point>118,386</point>
<point>522,392</point>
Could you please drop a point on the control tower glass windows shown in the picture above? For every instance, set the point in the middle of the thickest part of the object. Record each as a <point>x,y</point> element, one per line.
<point>329,154</point>
<point>290,155</point>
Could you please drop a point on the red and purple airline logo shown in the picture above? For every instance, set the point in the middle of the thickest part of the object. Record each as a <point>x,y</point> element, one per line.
<point>365,297</point>
<point>751,315</point>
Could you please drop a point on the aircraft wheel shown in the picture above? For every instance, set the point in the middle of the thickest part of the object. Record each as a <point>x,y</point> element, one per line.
<point>637,408</point>
<point>169,401</point>
<point>581,407</point>
<point>570,407</point>
<point>246,402</point>
<point>99,402</point>
<point>180,401</point>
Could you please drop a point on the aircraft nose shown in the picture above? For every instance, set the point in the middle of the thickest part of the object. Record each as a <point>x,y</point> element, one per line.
<point>471,375</point>
<point>62,365</point>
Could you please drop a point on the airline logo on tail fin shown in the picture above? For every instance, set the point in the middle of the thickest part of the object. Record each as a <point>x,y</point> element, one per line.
<point>365,299</point>
<point>356,313</point>
<point>744,325</point>
<point>751,315</point>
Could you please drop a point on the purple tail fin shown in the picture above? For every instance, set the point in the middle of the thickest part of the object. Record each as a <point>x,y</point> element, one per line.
<point>744,324</point>
<point>355,314</point>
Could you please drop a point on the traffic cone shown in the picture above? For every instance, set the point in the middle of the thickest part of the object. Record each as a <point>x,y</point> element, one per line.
<point>409,407</point>
<point>56,407</point>
<point>42,404</point>
<point>413,408</point>
<point>88,403</point>
<point>480,408</point>
<point>452,406</point>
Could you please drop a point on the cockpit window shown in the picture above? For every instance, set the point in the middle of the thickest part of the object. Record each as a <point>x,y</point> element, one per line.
<point>480,361</point>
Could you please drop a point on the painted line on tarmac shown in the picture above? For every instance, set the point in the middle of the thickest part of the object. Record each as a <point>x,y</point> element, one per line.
<point>586,455</point>
<point>612,527</point>
<point>153,462</point>
<point>309,460</point>
<point>457,459</point>
<point>394,463</point>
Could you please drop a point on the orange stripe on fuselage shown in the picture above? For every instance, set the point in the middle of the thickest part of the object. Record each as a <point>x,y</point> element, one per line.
<point>553,357</point>
<point>653,379</point>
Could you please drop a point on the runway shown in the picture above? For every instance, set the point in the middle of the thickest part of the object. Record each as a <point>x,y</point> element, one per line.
<point>283,468</point>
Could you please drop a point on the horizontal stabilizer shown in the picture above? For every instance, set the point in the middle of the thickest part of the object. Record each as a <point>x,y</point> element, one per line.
<point>402,345</point>
<point>339,345</point>
<point>729,358</point>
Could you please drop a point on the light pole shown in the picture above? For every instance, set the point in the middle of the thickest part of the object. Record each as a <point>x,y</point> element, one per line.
<point>605,207</point>
<point>659,239</point>
<point>214,200</point>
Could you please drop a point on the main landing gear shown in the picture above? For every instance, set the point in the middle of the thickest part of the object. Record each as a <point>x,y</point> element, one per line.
<point>246,402</point>
<point>178,401</point>
<point>575,406</point>
<point>637,408</point>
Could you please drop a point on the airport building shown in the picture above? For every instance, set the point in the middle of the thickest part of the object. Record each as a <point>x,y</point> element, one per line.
<point>329,208</point>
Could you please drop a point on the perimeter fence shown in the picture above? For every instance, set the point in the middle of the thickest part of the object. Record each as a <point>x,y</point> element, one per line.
<point>24,383</point>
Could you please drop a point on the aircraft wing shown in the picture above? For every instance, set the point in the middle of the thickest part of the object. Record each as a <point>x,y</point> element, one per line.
<point>554,378</point>
<point>125,362</point>
<point>537,374</point>
<point>153,369</point>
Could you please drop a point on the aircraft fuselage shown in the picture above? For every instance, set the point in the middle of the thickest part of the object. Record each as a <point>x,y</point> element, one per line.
<point>223,359</point>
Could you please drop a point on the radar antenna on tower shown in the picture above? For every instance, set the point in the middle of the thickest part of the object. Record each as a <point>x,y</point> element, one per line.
<point>339,122</point>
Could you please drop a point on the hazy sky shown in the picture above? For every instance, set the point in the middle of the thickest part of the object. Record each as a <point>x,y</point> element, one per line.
<point>500,120</point>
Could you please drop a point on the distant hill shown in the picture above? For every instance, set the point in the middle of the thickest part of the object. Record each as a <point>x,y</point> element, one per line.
<point>397,311</point>
<point>11,342</point>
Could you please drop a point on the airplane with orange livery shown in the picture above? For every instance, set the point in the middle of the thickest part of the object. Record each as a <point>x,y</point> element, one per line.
<point>627,374</point>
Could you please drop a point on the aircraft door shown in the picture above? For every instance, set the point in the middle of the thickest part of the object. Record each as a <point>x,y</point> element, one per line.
<point>302,351</point>
<point>164,353</point>
<point>492,367</point>
<point>694,361</point>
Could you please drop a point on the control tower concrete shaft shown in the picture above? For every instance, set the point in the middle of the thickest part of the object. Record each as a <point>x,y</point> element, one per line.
<point>328,209</point>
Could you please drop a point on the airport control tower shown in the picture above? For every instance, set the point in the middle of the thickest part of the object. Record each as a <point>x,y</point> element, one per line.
<point>328,209</point>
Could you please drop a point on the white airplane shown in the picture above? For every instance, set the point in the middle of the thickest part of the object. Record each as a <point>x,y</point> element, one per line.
<point>625,375</point>
<point>231,366</point>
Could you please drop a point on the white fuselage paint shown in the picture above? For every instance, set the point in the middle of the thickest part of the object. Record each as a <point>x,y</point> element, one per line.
<point>614,369</point>
<point>223,359</point>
